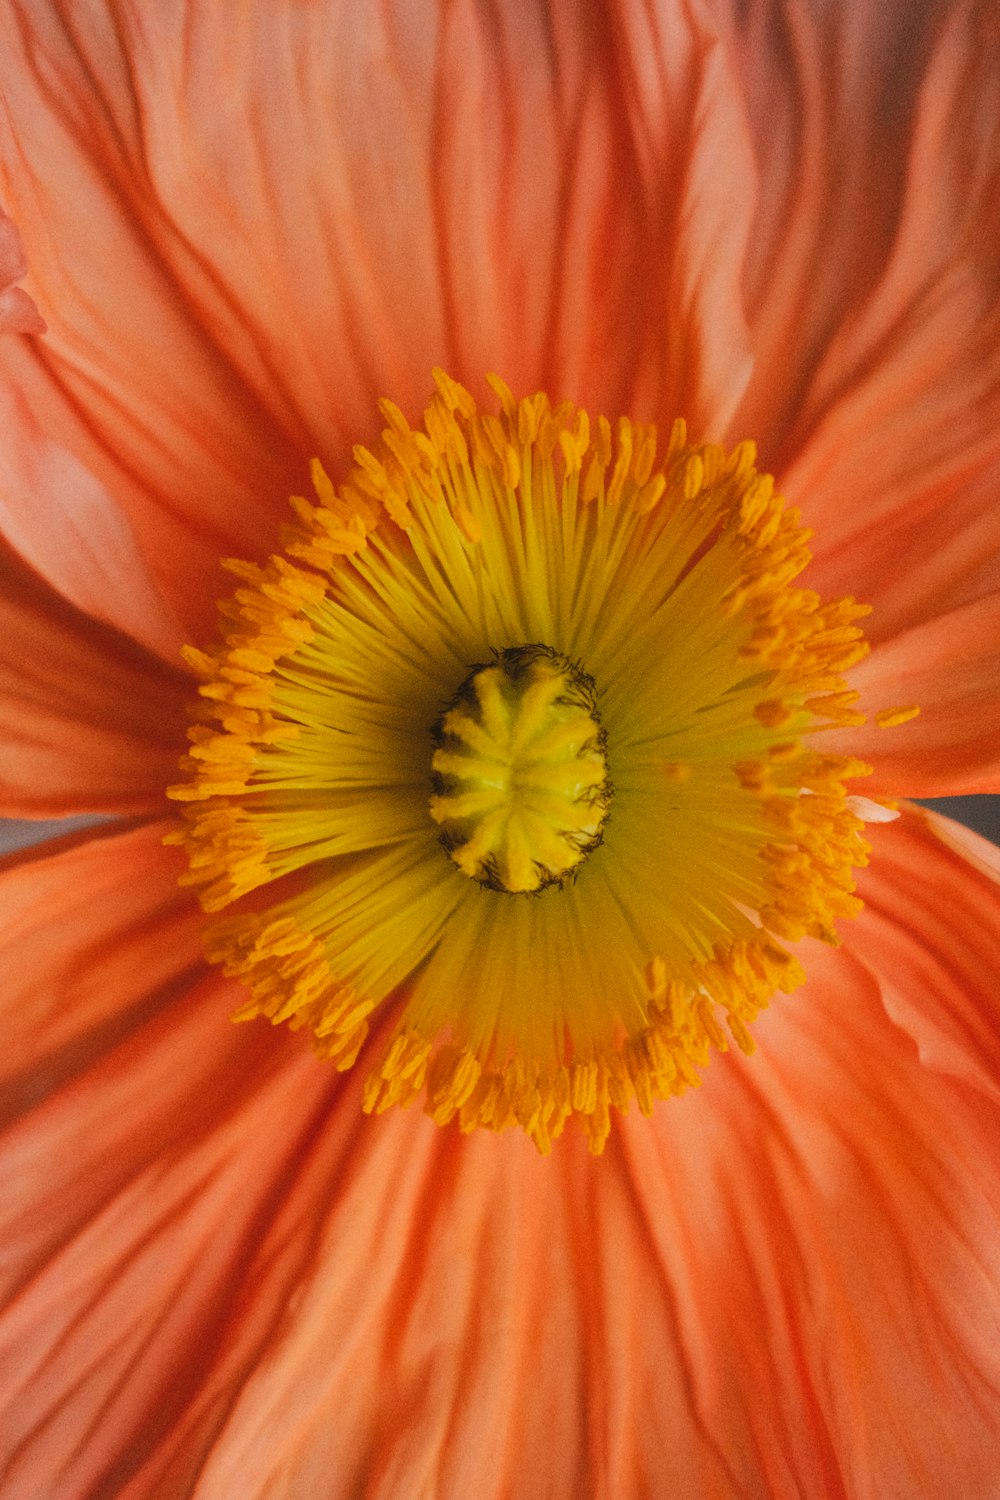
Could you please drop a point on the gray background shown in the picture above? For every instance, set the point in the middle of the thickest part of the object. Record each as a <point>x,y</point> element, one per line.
<point>981,813</point>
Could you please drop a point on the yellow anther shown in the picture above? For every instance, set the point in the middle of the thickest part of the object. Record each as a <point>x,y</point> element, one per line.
<point>888,718</point>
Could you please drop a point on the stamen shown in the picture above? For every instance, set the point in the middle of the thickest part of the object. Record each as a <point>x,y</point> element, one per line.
<point>889,718</point>
<point>669,644</point>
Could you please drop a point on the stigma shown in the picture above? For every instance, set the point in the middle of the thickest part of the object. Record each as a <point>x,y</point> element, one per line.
<point>521,785</point>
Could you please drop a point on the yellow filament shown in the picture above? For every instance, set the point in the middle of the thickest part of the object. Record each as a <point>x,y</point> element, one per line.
<point>654,926</point>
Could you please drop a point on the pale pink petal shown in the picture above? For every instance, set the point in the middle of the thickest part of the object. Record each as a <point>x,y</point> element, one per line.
<point>243,235</point>
<point>92,722</point>
<point>64,523</point>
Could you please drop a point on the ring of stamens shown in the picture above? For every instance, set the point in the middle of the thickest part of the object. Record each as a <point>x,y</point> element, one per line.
<point>671,574</point>
<point>520,774</point>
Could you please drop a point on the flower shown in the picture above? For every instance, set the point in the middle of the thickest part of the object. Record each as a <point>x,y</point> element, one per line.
<point>224,1278</point>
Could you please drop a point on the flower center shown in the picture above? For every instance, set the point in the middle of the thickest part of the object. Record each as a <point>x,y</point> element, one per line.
<point>521,787</point>
<point>669,570</point>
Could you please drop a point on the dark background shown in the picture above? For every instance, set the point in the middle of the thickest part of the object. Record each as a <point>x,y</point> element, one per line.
<point>981,813</point>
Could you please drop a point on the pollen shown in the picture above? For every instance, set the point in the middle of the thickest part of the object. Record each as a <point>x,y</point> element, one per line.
<point>515,749</point>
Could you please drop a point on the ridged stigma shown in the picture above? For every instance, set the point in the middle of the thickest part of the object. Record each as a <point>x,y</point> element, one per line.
<point>520,772</point>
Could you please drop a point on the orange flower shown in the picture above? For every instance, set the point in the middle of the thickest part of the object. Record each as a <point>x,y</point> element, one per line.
<point>224,1280</point>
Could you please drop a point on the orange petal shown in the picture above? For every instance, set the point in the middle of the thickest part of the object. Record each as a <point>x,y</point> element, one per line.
<point>92,721</point>
<point>785,1284</point>
<point>94,931</point>
<point>565,202</point>
<point>825,1219</point>
<point>18,313</point>
<point>68,528</point>
<point>936,958</point>
<point>951,668</point>
<point>594,191</point>
<point>150,1151</point>
<point>153,374</point>
<point>780,1287</point>
<point>933,550</point>
<point>875,293</point>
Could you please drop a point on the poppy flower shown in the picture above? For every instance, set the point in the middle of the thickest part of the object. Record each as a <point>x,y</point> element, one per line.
<point>529,764</point>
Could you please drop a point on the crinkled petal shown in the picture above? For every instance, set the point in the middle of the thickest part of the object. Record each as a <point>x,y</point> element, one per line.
<point>289,218</point>
<point>226,1281</point>
<point>92,722</point>
<point>825,1218</point>
<point>147,1246</point>
<point>145,1148</point>
<point>949,667</point>
<point>786,1284</point>
<point>874,291</point>
<point>18,313</point>
<point>65,524</point>
<point>782,1287</point>
<point>93,931</point>
<point>935,954</point>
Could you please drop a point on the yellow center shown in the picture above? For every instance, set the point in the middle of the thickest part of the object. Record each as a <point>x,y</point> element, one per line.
<point>520,776</point>
<point>668,571</point>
